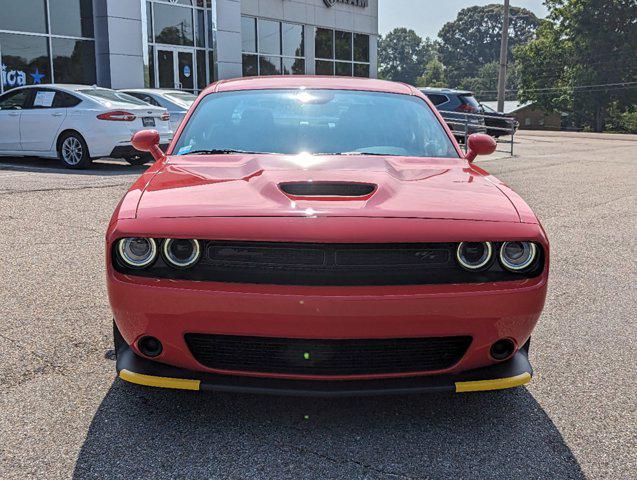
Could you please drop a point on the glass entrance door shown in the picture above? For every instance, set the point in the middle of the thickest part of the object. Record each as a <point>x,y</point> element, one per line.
<point>175,68</point>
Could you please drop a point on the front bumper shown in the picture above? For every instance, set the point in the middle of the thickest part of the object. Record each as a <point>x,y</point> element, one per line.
<point>135,369</point>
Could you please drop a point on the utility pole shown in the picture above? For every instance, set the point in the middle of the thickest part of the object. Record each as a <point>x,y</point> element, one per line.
<point>504,47</point>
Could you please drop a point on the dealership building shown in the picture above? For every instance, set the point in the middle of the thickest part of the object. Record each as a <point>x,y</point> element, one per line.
<point>183,44</point>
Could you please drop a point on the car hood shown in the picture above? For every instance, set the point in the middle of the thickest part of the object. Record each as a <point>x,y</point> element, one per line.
<point>348,186</point>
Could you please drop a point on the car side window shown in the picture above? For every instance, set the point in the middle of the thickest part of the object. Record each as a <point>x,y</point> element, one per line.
<point>15,100</point>
<point>145,98</point>
<point>151,100</point>
<point>437,99</point>
<point>42,98</point>
<point>65,100</point>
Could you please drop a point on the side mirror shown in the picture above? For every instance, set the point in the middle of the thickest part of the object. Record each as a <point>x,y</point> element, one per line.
<point>479,144</point>
<point>148,141</point>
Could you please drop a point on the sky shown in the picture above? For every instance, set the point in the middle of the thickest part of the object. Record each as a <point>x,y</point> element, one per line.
<point>427,17</point>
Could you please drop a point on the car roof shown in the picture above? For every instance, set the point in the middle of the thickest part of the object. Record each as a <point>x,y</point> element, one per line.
<point>445,90</point>
<point>311,82</point>
<point>70,87</point>
<point>150,90</point>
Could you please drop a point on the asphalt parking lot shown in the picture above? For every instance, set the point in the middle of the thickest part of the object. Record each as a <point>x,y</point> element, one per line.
<point>64,414</point>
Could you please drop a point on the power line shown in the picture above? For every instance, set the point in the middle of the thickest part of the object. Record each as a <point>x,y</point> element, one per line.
<point>605,86</point>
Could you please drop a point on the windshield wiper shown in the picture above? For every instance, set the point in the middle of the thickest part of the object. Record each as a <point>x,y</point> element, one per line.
<point>219,151</point>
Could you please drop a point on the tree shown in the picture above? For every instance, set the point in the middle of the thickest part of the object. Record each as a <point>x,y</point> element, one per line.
<point>473,39</point>
<point>434,75</point>
<point>402,55</point>
<point>583,60</point>
<point>485,83</point>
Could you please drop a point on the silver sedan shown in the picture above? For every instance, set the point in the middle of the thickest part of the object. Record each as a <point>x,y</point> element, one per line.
<point>176,102</point>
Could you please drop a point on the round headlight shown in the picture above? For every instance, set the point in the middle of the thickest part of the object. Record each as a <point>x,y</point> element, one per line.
<point>181,253</point>
<point>516,256</point>
<point>137,252</point>
<point>474,255</point>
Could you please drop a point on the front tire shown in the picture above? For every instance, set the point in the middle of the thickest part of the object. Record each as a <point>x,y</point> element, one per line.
<point>73,151</point>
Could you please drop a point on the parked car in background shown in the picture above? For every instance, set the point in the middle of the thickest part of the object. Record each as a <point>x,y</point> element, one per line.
<point>76,123</point>
<point>175,101</point>
<point>454,104</point>
<point>498,123</point>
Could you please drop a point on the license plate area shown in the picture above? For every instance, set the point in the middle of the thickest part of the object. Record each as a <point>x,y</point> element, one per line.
<point>148,121</point>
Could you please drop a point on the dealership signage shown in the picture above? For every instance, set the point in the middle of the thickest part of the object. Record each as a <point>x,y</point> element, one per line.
<point>358,3</point>
<point>13,78</point>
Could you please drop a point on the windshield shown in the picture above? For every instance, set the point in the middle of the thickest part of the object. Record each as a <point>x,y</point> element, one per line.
<point>106,96</point>
<point>315,122</point>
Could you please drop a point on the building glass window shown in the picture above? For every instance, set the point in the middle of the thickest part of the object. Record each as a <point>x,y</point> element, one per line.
<point>34,55</point>
<point>149,72</point>
<point>149,22</point>
<point>343,43</point>
<point>73,18</point>
<point>292,40</point>
<point>324,43</point>
<point>343,69</point>
<point>361,47</point>
<point>269,37</point>
<point>73,60</point>
<point>23,15</point>
<point>272,48</point>
<point>269,65</point>
<point>180,40</point>
<point>25,60</point>
<point>201,69</point>
<point>173,24</point>
<point>350,50</point>
<point>324,67</point>
<point>250,65</point>
<point>361,70</point>
<point>293,66</point>
<point>249,34</point>
<point>200,28</point>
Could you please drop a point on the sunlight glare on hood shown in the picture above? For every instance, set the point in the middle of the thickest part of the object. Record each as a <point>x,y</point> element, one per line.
<point>306,160</point>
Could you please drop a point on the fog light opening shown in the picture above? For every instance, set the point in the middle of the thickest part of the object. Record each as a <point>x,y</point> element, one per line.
<point>502,349</point>
<point>149,346</point>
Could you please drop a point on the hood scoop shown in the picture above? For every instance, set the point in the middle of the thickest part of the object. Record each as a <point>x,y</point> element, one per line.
<point>330,190</point>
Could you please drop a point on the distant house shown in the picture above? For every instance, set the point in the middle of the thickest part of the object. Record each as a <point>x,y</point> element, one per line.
<point>529,116</point>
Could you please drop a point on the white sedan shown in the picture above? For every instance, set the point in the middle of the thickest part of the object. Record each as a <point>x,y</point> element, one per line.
<point>176,101</point>
<point>76,123</point>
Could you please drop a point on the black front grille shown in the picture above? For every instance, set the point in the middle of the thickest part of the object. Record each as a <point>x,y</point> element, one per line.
<point>337,264</point>
<point>326,357</point>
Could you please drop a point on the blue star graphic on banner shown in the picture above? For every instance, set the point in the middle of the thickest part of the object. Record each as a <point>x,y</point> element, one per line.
<point>37,76</point>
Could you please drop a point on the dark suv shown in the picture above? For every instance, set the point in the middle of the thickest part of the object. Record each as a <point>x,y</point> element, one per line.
<point>453,104</point>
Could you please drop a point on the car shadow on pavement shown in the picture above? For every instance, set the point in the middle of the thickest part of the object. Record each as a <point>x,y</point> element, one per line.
<point>103,166</point>
<point>140,432</point>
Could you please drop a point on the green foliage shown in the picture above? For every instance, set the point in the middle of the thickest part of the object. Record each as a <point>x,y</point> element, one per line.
<point>583,60</point>
<point>434,75</point>
<point>473,39</point>
<point>623,121</point>
<point>485,83</point>
<point>402,55</point>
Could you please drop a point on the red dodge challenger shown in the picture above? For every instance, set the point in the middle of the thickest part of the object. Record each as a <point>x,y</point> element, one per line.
<point>322,236</point>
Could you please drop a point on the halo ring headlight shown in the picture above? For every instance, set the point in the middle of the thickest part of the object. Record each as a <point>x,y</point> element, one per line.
<point>137,252</point>
<point>474,255</point>
<point>181,253</point>
<point>517,256</point>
